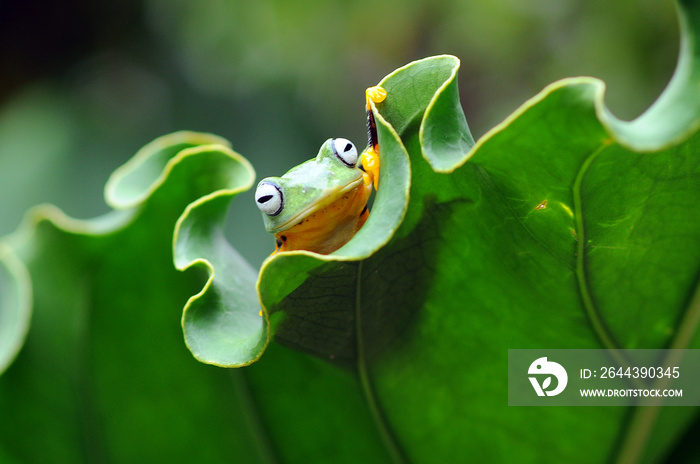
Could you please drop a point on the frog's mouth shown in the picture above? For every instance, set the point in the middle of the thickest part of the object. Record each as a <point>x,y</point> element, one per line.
<point>328,199</point>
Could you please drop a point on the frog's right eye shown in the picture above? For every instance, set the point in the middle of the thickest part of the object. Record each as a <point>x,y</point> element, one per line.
<point>268,197</point>
<point>345,151</point>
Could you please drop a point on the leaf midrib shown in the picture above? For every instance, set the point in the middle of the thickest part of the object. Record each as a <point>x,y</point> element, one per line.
<point>643,419</point>
<point>253,417</point>
<point>380,421</point>
<point>594,316</point>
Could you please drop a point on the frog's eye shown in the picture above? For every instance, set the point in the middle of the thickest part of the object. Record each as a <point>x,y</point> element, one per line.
<point>346,151</point>
<point>268,197</point>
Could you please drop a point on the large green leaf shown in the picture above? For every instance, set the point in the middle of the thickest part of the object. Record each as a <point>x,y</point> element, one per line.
<point>104,374</point>
<point>566,228</point>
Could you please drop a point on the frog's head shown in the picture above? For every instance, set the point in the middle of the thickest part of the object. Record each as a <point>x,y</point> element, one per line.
<point>286,201</point>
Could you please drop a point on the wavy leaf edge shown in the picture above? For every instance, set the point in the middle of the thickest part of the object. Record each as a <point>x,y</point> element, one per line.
<point>121,215</point>
<point>182,263</point>
<point>341,255</point>
<point>19,278</point>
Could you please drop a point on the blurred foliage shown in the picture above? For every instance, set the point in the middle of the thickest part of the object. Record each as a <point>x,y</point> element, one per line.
<point>86,84</point>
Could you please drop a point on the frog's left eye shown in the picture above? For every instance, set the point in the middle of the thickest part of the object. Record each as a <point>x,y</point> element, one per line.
<point>268,197</point>
<point>345,151</point>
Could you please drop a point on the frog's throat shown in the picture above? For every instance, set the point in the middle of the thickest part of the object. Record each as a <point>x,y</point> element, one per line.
<point>327,200</point>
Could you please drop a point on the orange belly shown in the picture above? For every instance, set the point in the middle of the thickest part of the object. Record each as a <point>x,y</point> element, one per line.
<point>329,228</point>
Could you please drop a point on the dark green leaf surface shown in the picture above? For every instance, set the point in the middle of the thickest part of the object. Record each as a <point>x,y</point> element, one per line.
<point>104,375</point>
<point>563,227</point>
<point>559,232</point>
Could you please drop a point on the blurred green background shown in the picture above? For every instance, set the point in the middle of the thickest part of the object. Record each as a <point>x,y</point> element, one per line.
<point>84,84</point>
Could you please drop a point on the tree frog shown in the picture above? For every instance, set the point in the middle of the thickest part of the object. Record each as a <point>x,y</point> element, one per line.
<point>321,204</point>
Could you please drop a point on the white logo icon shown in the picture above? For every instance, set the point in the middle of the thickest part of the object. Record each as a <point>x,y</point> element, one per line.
<point>542,366</point>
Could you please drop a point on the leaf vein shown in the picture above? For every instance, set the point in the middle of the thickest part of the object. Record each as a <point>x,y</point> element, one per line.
<point>370,396</point>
